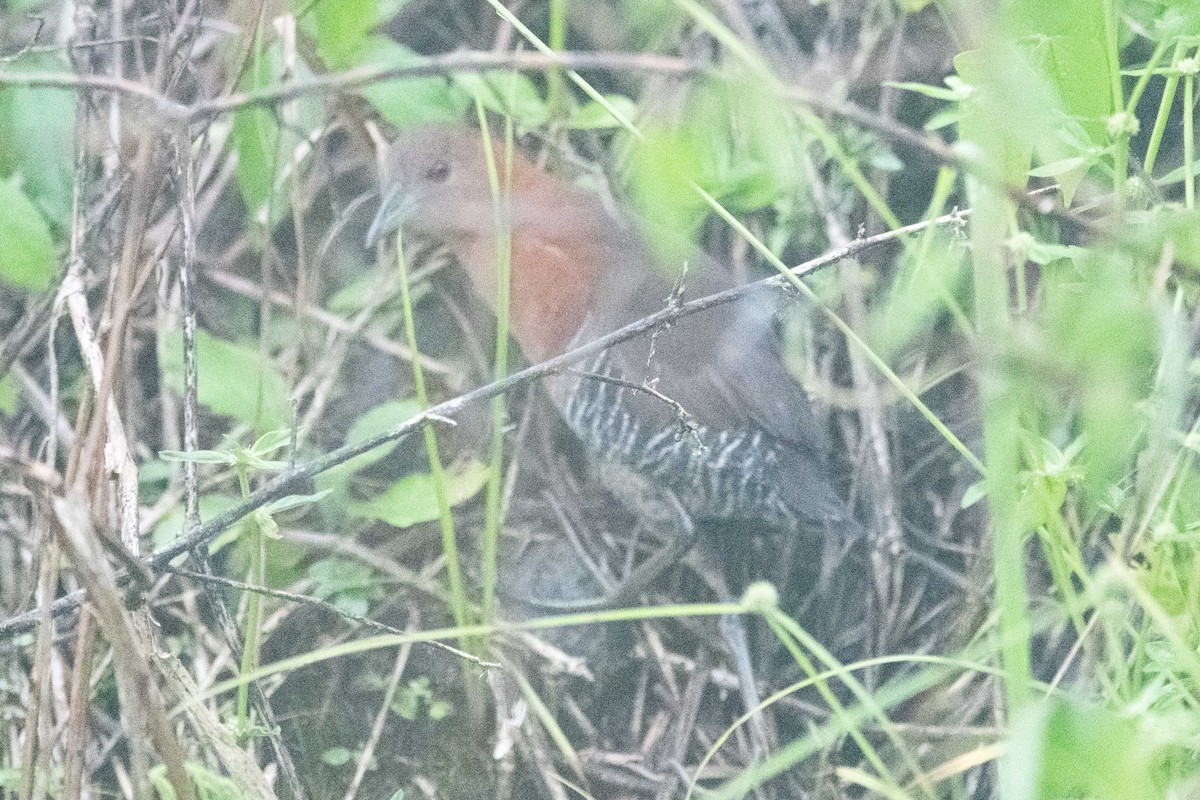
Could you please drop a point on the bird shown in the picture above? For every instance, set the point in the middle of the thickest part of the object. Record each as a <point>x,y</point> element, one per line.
<point>751,450</point>
<point>696,423</point>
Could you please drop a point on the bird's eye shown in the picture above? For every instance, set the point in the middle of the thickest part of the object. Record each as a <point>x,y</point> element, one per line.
<point>439,172</point>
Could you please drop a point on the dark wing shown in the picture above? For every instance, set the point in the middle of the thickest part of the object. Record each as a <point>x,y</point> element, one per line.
<point>723,364</point>
<point>724,367</point>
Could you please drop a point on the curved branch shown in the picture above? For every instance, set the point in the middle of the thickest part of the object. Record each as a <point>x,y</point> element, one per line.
<point>444,412</point>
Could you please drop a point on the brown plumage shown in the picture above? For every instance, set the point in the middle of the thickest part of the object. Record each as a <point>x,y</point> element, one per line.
<point>578,273</point>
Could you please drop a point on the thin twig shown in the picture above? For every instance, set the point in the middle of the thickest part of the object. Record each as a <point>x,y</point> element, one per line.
<point>204,110</point>
<point>683,418</point>
<point>444,412</point>
<point>306,600</point>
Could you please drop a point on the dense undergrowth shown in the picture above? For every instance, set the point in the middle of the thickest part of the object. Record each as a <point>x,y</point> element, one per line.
<point>232,564</point>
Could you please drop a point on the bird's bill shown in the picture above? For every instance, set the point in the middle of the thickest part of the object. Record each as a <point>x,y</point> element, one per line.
<point>393,212</point>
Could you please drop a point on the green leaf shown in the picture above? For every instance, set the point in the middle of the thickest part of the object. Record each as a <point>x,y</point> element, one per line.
<point>199,456</point>
<point>1103,336</point>
<point>1178,175</point>
<point>1025,247</point>
<point>507,93</point>
<point>271,441</point>
<point>209,785</point>
<point>746,187</point>
<point>26,247</point>
<point>255,139</point>
<point>648,19</point>
<point>212,786</point>
<point>734,141</point>
<point>411,696</point>
<point>1176,227</point>
<point>233,380</point>
<point>1004,138</point>
<point>1044,253</point>
<point>943,118</point>
<point>37,138</point>
<point>1065,43</point>
<point>1030,95</point>
<point>332,575</point>
<point>267,525</point>
<point>974,493</point>
<point>1064,748</point>
<point>8,394</point>
<point>953,92</point>
<point>1041,500</point>
<point>885,161</point>
<point>406,704</point>
<point>1164,20</point>
<point>380,419</point>
<point>661,168</point>
<point>294,501</point>
<point>1060,168</point>
<point>349,585</point>
<point>407,102</point>
<point>594,116</point>
<point>337,756</point>
<point>342,30</point>
<point>411,499</point>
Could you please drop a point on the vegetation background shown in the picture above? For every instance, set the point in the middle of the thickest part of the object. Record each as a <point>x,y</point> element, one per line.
<point>229,569</point>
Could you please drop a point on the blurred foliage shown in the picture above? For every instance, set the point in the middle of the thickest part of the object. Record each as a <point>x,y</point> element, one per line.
<point>236,380</point>
<point>412,500</point>
<point>254,140</point>
<point>265,139</point>
<point>342,29</point>
<point>1067,749</point>
<point>42,162</point>
<point>411,101</point>
<point>9,395</point>
<point>416,697</point>
<point>29,261</point>
<point>35,176</point>
<point>349,585</point>
<point>210,785</point>
<point>1095,352</point>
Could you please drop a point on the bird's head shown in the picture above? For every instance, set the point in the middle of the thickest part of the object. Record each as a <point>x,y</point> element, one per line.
<point>434,181</point>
